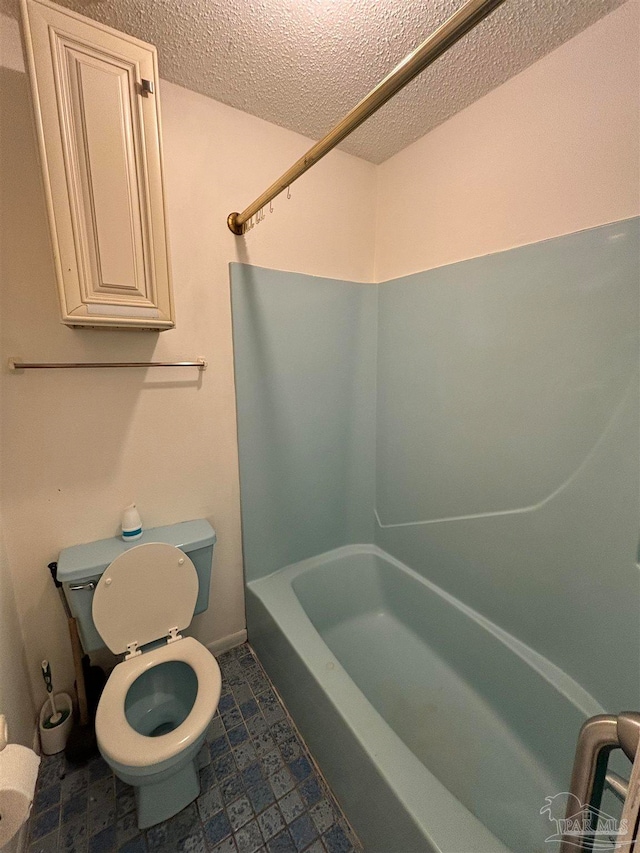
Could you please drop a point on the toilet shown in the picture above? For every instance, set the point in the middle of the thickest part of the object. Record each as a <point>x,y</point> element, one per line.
<point>159,700</point>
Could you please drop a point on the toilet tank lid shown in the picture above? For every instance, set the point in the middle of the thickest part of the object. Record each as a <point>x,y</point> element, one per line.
<point>83,562</point>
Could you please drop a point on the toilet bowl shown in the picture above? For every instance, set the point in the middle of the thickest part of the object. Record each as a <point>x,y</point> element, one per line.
<point>155,708</point>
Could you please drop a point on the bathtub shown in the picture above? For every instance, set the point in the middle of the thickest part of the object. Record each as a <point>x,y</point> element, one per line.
<point>437,730</point>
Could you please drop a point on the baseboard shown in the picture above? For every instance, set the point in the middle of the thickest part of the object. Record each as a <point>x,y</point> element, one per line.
<point>217,647</point>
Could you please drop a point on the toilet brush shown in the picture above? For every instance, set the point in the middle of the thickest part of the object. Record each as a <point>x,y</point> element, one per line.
<point>56,717</point>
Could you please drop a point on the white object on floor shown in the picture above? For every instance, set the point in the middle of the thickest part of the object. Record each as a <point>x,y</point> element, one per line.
<point>18,776</point>
<point>54,738</point>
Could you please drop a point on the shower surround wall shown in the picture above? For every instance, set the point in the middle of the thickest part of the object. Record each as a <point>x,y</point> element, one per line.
<point>507,463</point>
<point>506,457</point>
<point>305,375</point>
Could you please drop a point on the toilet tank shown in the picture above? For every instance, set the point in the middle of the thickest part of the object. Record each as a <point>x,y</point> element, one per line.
<point>81,566</point>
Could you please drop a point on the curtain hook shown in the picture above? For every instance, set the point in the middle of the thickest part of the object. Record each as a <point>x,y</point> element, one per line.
<point>270,207</point>
<point>289,191</point>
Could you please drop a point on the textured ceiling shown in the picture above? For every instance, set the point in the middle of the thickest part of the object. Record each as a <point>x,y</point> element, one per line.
<point>302,64</point>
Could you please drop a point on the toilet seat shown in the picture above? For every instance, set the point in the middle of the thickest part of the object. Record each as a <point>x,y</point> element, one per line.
<point>120,742</point>
<point>145,594</point>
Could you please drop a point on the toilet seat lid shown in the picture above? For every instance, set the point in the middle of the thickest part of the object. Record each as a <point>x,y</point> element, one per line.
<point>143,594</point>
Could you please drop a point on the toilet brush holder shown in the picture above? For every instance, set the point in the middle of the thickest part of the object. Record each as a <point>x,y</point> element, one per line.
<point>53,736</point>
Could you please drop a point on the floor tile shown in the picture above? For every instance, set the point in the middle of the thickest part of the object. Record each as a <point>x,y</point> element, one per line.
<point>232,788</point>
<point>252,774</point>
<point>223,765</point>
<point>242,693</point>
<point>74,782</point>
<point>75,805</point>
<point>133,845</point>
<point>336,840</point>
<point>244,755</point>
<point>48,844</point>
<point>282,843</point>
<point>322,815</point>
<point>272,761</point>
<point>261,796</point>
<point>98,769</point>
<point>226,846</point>
<point>193,843</point>
<point>226,703</point>
<point>100,817</point>
<point>203,758</point>
<point>238,735</point>
<point>52,769</point>
<point>209,803</point>
<point>231,718</point>
<point>104,841</point>
<point>215,729</point>
<point>260,792</point>
<point>219,746</point>
<point>207,778</point>
<point>282,782</point>
<point>46,798</point>
<point>125,802</point>
<point>310,790</point>
<point>300,768</point>
<point>217,828</point>
<point>249,708</point>
<point>271,822</point>
<point>126,828</point>
<point>103,793</point>
<point>185,823</point>
<point>291,806</point>
<point>73,837</point>
<point>45,822</point>
<point>257,725</point>
<point>249,838</point>
<point>303,832</point>
<point>240,812</point>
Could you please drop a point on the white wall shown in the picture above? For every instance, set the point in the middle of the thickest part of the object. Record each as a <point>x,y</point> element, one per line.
<point>553,150</point>
<point>78,446</point>
<point>15,697</point>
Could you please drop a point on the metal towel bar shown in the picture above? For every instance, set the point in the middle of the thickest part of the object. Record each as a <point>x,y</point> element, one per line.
<point>14,364</point>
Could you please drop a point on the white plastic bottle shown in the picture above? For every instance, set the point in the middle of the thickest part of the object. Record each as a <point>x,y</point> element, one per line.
<point>131,524</point>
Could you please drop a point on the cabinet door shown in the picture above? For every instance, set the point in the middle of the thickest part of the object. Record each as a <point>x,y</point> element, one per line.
<point>95,97</point>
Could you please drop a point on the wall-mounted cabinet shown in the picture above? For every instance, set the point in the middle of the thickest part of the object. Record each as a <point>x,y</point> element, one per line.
<point>95,98</point>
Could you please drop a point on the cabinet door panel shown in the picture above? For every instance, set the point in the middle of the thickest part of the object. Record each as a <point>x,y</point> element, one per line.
<point>102,164</point>
<point>102,123</point>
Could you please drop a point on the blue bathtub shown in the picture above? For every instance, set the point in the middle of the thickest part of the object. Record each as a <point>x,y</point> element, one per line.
<point>437,730</point>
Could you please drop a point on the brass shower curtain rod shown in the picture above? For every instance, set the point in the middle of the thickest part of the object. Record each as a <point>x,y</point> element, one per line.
<point>439,42</point>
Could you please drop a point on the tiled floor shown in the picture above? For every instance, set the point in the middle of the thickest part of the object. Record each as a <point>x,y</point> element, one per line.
<point>260,790</point>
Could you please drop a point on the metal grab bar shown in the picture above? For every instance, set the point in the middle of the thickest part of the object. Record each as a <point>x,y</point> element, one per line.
<point>598,737</point>
<point>617,785</point>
